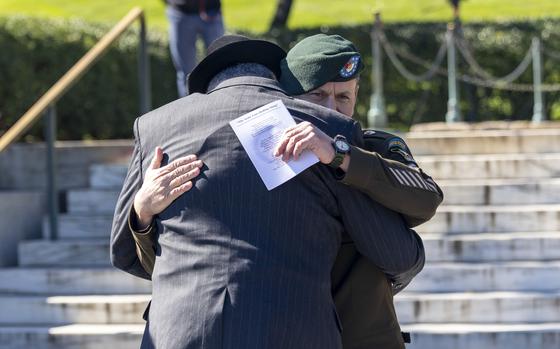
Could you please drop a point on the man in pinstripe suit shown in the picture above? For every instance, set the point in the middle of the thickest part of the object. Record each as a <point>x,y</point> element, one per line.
<point>239,266</point>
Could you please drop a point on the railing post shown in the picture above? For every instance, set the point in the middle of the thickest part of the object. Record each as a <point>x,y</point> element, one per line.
<point>144,69</point>
<point>453,112</point>
<point>376,114</point>
<point>52,189</point>
<point>538,106</point>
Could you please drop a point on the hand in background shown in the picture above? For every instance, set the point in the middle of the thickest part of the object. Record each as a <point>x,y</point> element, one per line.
<point>162,185</point>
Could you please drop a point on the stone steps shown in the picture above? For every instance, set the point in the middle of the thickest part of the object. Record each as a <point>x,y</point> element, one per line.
<point>436,277</point>
<point>92,201</point>
<point>538,246</point>
<point>501,191</point>
<point>486,277</point>
<point>425,335</point>
<point>458,219</point>
<point>62,310</point>
<point>487,307</point>
<point>491,166</point>
<point>81,226</point>
<point>450,219</point>
<point>484,141</point>
<point>457,192</point>
<point>490,280</point>
<point>107,176</point>
<point>484,336</point>
<point>70,281</point>
<point>126,336</point>
<point>439,248</point>
<point>68,253</point>
<point>478,166</point>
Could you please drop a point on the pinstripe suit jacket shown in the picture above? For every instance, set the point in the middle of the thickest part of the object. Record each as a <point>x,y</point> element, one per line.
<point>238,266</point>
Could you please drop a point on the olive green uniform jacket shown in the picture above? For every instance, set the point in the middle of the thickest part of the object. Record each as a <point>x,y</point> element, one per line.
<point>386,172</point>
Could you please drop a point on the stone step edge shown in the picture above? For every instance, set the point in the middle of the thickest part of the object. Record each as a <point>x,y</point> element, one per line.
<point>403,296</point>
<point>412,295</point>
<point>83,299</point>
<point>488,157</point>
<point>480,133</point>
<point>446,264</point>
<point>77,329</point>
<point>491,236</point>
<point>436,328</point>
<point>466,328</point>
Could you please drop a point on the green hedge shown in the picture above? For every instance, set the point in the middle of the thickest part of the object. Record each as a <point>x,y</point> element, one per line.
<point>35,53</point>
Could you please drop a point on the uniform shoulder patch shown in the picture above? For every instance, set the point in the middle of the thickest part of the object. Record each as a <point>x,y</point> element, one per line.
<point>377,141</point>
<point>396,145</point>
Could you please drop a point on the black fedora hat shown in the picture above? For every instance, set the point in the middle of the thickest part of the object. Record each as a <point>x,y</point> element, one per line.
<point>229,50</point>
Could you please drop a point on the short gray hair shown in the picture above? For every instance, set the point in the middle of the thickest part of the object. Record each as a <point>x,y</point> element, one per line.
<point>241,69</point>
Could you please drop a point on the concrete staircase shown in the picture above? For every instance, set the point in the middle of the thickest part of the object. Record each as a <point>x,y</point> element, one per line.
<point>492,279</point>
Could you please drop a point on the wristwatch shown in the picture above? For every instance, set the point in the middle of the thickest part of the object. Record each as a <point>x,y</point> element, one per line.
<point>341,148</point>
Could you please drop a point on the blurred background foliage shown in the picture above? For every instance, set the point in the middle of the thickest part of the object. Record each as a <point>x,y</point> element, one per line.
<point>255,16</point>
<point>37,51</point>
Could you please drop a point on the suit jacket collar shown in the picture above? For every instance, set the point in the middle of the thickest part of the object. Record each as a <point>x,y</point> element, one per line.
<point>249,81</point>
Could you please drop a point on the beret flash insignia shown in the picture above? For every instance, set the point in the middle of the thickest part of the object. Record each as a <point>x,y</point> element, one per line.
<point>350,67</point>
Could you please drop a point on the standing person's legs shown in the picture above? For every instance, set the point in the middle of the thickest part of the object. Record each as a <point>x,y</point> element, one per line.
<point>212,29</point>
<point>182,44</point>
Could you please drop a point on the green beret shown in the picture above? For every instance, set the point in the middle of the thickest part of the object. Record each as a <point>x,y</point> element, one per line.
<point>319,59</point>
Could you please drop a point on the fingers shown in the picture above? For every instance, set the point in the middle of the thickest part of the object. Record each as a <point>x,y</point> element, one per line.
<point>281,147</point>
<point>180,172</point>
<point>289,151</point>
<point>291,137</point>
<point>303,144</point>
<point>185,160</point>
<point>288,133</point>
<point>181,179</point>
<point>156,160</point>
<point>178,163</point>
<point>180,190</point>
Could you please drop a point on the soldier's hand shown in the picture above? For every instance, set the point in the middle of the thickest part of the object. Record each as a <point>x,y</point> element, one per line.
<point>164,184</point>
<point>305,136</point>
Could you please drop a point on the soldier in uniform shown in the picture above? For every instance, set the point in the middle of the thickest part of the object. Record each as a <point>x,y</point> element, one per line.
<point>325,70</point>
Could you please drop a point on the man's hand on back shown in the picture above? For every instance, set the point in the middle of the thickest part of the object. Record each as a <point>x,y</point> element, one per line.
<point>162,185</point>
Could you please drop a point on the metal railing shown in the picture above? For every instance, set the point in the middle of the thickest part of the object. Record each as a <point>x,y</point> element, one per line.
<point>455,40</point>
<point>46,105</point>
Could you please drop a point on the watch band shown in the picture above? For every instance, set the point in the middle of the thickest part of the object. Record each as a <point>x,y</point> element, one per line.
<point>337,161</point>
<point>341,148</point>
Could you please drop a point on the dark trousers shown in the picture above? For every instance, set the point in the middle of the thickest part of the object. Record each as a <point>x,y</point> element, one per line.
<point>183,31</point>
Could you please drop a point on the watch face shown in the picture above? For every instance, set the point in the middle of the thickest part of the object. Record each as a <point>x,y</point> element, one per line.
<point>342,145</point>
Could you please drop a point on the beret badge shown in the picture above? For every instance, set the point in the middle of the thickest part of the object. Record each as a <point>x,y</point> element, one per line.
<point>350,67</point>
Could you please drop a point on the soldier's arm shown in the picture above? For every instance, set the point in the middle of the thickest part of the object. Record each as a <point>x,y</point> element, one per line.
<point>145,243</point>
<point>381,235</point>
<point>388,173</point>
